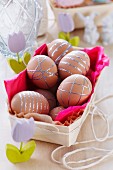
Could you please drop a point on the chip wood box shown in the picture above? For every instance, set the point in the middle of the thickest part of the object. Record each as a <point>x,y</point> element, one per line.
<point>102,11</point>
<point>58,134</point>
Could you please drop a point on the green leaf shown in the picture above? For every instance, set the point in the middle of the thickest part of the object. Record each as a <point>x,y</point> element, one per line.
<point>62,35</point>
<point>15,156</point>
<point>15,66</point>
<point>68,36</point>
<point>26,57</point>
<point>74,41</point>
<point>28,149</point>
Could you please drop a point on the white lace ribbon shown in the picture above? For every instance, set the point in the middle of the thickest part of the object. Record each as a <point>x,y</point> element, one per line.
<point>91,161</point>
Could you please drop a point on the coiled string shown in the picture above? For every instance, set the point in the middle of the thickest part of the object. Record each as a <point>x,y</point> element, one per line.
<point>95,160</point>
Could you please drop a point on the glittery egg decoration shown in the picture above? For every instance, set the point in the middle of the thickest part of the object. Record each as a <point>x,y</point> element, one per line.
<point>74,90</point>
<point>58,48</point>
<point>49,96</point>
<point>75,62</point>
<point>42,71</point>
<point>29,102</point>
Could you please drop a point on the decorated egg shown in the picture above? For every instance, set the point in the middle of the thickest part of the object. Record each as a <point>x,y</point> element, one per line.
<point>58,48</point>
<point>42,71</point>
<point>29,102</point>
<point>75,62</point>
<point>49,96</point>
<point>74,90</point>
<point>54,112</point>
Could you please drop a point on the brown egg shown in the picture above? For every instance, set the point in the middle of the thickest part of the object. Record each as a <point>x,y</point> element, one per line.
<point>75,62</point>
<point>55,87</point>
<point>74,90</point>
<point>54,112</point>
<point>29,102</point>
<point>58,48</point>
<point>49,96</point>
<point>42,71</point>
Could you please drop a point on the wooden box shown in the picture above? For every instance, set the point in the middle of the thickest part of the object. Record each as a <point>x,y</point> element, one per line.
<point>60,134</point>
<point>63,135</point>
<point>102,11</point>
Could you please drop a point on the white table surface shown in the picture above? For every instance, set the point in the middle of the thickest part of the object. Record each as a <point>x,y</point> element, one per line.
<point>41,159</point>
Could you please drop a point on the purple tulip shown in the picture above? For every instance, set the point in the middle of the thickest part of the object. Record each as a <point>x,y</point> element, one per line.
<point>65,22</point>
<point>23,130</point>
<point>16,42</point>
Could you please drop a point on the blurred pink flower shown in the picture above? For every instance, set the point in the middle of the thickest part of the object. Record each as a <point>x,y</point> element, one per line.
<point>16,42</point>
<point>23,130</point>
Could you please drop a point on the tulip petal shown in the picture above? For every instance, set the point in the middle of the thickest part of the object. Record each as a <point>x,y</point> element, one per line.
<point>65,22</point>
<point>23,130</point>
<point>21,41</point>
<point>11,44</point>
<point>16,42</point>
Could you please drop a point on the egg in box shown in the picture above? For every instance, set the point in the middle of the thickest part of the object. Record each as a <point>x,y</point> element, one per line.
<point>29,102</point>
<point>75,62</point>
<point>74,90</point>
<point>49,96</point>
<point>74,93</point>
<point>42,71</point>
<point>58,48</point>
<point>54,112</point>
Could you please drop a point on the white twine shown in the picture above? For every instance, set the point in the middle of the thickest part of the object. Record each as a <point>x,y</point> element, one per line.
<point>96,159</point>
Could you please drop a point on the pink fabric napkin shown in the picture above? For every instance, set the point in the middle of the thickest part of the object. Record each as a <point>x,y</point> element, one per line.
<point>98,61</point>
<point>21,82</point>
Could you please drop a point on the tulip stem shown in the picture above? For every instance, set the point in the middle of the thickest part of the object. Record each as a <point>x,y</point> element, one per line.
<point>21,144</point>
<point>18,57</point>
<point>68,36</point>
